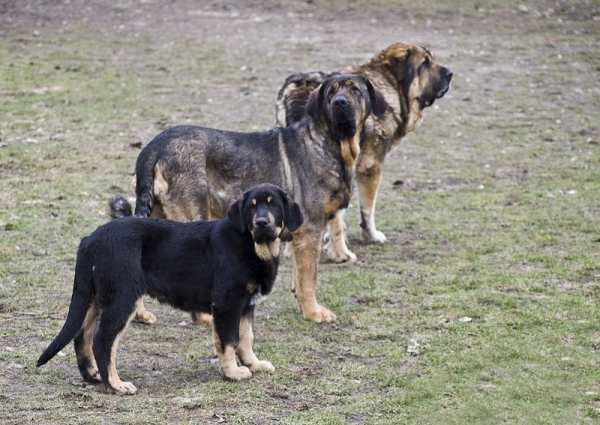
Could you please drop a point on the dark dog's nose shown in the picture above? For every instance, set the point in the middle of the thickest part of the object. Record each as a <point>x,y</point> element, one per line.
<point>340,102</point>
<point>449,74</point>
<point>261,222</point>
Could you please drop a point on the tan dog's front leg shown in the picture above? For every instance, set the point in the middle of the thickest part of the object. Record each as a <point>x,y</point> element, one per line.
<point>307,247</point>
<point>368,185</point>
<point>336,248</point>
<point>142,315</point>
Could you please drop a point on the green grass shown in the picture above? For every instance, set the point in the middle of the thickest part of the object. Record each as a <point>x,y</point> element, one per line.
<point>490,274</point>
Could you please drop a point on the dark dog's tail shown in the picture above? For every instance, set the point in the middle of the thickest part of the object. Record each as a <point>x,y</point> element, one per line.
<point>118,207</point>
<point>144,177</point>
<point>80,300</point>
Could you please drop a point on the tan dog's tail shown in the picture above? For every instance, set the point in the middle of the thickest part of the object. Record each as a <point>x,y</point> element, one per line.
<point>118,207</point>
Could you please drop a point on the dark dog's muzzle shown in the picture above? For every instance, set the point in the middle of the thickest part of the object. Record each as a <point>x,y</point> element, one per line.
<point>343,117</point>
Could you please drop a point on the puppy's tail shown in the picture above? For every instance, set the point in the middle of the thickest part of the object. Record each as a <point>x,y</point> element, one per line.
<point>80,301</point>
<point>118,207</point>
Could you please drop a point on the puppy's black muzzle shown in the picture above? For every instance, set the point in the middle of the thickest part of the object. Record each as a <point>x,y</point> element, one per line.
<point>264,230</point>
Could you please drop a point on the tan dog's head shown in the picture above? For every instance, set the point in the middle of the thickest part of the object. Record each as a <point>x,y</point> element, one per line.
<point>420,79</point>
<point>344,102</point>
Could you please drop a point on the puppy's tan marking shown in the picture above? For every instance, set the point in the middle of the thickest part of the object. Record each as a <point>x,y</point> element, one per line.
<point>228,364</point>
<point>83,349</point>
<point>245,352</point>
<point>115,383</point>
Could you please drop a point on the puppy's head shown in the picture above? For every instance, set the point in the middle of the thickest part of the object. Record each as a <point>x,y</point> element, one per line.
<point>344,102</point>
<point>265,210</point>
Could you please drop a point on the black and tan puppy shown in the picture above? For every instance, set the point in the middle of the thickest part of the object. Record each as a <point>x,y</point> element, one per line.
<point>220,267</point>
<point>190,173</point>
<point>410,80</point>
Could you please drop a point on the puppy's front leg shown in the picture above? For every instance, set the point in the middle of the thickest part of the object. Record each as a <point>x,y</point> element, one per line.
<point>307,247</point>
<point>244,349</point>
<point>226,323</point>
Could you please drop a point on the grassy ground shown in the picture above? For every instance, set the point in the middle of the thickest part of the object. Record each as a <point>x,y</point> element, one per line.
<point>481,308</point>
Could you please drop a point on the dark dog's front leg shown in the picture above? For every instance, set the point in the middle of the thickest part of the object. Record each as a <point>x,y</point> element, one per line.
<point>307,247</point>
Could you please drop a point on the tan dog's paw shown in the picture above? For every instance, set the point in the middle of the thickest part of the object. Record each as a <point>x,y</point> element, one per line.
<point>238,373</point>
<point>373,236</point>
<point>262,365</point>
<point>202,318</point>
<point>320,314</point>
<point>145,317</point>
<point>123,388</point>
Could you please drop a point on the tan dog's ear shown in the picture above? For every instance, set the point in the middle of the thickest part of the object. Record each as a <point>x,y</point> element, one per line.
<point>315,102</point>
<point>378,103</point>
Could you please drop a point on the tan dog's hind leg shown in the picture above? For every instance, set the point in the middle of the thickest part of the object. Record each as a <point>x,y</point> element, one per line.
<point>307,246</point>
<point>83,346</point>
<point>142,315</point>
<point>368,185</point>
<point>114,382</point>
<point>227,360</point>
<point>244,349</point>
<point>336,248</point>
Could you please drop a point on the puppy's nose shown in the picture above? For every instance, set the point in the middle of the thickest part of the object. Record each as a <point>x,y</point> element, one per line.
<point>261,222</point>
<point>340,102</point>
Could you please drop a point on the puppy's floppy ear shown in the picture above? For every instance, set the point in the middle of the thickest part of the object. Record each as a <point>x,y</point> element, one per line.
<point>315,102</point>
<point>294,217</point>
<point>236,214</point>
<point>378,103</point>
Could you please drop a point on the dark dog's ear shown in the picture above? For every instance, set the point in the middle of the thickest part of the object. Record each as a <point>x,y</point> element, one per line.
<point>315,102</point>
<point>236,215</point>
<point>294,218</point>
<point>378,103</point>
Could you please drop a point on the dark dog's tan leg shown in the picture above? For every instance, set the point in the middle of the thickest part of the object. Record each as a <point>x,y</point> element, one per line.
<point>244,349</point>
<point>227,360</point>
<point>368,184</point>
<point>336,248</point>
<point>142,315</point>
<point>83,346</point>
<point>307,245</point>
<point>201,318</point>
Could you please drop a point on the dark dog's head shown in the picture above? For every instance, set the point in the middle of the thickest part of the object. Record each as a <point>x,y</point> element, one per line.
<point>265,210</point>
<point>414,67</point>
<point>345,101</point>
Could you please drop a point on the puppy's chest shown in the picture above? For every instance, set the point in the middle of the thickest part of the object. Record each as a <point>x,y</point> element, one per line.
<point>258,292</point>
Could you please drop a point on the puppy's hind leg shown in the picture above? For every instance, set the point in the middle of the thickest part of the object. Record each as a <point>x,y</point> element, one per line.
<point>113,322</point>
<point>83,346</point>
<point>244,349</point>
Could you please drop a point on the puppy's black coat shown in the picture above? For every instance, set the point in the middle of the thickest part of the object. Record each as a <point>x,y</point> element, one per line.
<point>221,267</point>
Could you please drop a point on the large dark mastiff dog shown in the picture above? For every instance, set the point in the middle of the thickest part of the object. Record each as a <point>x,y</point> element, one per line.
<point>190,173</point>
<point>221,267</point>
<point>410,81</point>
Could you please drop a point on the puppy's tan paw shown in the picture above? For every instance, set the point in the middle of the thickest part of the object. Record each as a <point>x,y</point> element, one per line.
<point>145,317</point>
<point>123,388</point>
<point>238,373</point>
<point>262,365</point>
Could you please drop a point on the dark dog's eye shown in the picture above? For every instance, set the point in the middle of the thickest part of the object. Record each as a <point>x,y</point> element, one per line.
<point>354,89</point>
